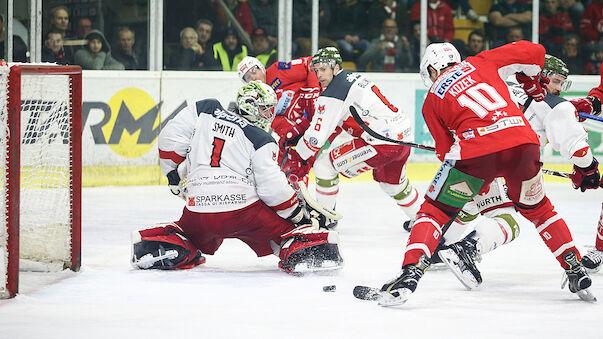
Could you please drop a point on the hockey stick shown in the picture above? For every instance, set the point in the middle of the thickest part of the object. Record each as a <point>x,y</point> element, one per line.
<point>302,192</point>
<point>376,135</point>
<point>590,116</point>
<point>555,173</point>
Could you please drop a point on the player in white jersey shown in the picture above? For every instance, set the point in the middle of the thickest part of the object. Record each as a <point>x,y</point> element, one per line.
<point>554,121</point>
<point>234,189</point>
<point>351,102</point>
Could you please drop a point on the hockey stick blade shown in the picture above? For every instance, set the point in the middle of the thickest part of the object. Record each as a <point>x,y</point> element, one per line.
<point>367,293</point>
<point>590,116</point>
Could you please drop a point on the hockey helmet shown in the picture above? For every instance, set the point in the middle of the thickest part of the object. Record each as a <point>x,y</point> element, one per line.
<point>554,65</point>
<point>255,101</point>
<point>328,55</point>
<point>246,64</point>
<point>438,56</point>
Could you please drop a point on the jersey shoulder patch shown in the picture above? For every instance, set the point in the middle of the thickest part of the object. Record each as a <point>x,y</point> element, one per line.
<point>340,85</point>
<point>208,106</point>
<point>284,65</point>
<point>257,136</point>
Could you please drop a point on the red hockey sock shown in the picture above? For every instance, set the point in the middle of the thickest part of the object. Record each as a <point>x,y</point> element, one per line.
<point>552,229</point>
<point>599,241</point>
<point>425,234</point>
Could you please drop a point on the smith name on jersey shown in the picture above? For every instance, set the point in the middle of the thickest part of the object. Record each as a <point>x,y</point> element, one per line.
<point>231,163</point>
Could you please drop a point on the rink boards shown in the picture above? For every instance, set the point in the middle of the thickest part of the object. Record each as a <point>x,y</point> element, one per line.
<point>123,113</point>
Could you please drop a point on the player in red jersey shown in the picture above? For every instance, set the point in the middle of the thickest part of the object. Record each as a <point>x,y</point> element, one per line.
<point>480,134</point>
<point>296,88</point>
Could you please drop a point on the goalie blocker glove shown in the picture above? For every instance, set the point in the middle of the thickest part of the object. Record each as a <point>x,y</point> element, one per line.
<point>533,85</point>
<point>587,177</point>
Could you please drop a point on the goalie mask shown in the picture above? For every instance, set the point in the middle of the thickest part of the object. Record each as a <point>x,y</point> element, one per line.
<point>329,56</point>
<point>248,64</point>
<point>438,56</point>
<point>256,102</point>
<point>553,66</point>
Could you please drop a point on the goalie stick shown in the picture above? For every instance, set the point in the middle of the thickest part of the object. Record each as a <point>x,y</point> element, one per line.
<point>305,196</point>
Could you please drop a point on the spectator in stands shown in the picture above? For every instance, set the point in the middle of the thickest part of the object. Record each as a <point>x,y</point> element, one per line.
<point>228,52</point>
<point>302,26</point>
<point>19,46</point>
<point>514,33</point>
<point>572,56</point>
<point>241,11</point>
<point>125,51</point>
<point>381,10</point>
<point>465,7</point>
<point>261,48</point>
<point>188,56</point>
<point>575,9</point>
<point>350,36</point>
<point>476,42</point>
<point>83,27</point>
<point>59,20</point>
<point>264,13</point>
<point>54,51</point>
<point>507,13</point>
<point>594,65</point>
<point>204,29</point>
<point>440,25</point>
<point>553,24</point>
<point>97,54</point>
<point>414,43</point>
<point>591,25</point>
<point>388,53</point>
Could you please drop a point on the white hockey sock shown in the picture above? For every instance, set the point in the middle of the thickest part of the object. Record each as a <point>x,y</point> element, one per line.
<point>326,192</point>
<point>492,232</point>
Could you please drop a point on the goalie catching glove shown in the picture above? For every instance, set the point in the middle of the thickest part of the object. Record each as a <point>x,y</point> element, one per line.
<point>533,85</point>
<point>587,177</point>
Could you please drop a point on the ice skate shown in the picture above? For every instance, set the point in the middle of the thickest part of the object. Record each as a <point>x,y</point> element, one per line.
<point>592,260</point>
<point>576,278</point>
<point>397,290</point>
<point>460,258</point>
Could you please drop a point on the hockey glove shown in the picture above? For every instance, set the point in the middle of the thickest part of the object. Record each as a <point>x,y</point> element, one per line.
<point>174,184</point>
<point>588,105</point>
<point>534,86</point>
<point>292,134</point>
<point>295,165</point>
<point>587,177</point>
<point>307,99</point>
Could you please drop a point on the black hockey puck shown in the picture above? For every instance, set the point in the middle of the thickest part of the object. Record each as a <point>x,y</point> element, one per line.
<point>329,288</point>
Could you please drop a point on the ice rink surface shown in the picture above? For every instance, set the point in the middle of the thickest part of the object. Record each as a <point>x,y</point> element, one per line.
<point>237,295</point>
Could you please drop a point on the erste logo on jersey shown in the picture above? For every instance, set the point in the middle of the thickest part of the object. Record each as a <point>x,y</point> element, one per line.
<point>449,78</point>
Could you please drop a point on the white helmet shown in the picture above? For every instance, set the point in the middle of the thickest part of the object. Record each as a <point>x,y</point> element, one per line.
<point>256,101</point>
<point>246,64</point>
<point>438,56</point>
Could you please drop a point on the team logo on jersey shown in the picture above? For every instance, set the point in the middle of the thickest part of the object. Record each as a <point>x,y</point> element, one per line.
<point>313,141</point>
<point>451,77</point>
<point>275,83</point>
<point>284,65</point>
<point>501,124</point>
<point>468,134</point>
<point>321,109</point>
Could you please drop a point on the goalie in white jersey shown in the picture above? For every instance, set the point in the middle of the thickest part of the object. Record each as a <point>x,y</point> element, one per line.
<point>234,189</point>
<point>554,121</point>
<point>352,103</point>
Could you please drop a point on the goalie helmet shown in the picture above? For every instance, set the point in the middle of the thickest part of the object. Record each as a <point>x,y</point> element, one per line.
<point>246,64</point>
<point>554,65</point>
<point>255,102</point>
<point>438,56</point>
<point>329,56</point>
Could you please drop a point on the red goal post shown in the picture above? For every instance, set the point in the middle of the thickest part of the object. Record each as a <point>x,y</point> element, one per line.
<point>40,138</point>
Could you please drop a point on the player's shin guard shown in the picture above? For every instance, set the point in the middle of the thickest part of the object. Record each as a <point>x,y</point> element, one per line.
<point>164,247</point>
<point>495,230</point>
<point>599,241</point>
<point>326,192</point>
<point>406,196</point>
<point>425,234</point>
<point>552,229</point>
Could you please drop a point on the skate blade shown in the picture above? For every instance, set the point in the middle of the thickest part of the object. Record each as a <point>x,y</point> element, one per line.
<point>389,300</point>
<point>438,267</point>
<point>586,295</point>
<point>465,277</point>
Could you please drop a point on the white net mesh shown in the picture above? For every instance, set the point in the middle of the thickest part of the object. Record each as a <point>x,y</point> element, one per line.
<point>45,165</point>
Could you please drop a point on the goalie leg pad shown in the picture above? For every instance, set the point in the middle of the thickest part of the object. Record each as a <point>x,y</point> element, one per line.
<point>164,247</point>
<point>306,249</point>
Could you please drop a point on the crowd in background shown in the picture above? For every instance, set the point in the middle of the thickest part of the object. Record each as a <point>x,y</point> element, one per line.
<point>372,35</point>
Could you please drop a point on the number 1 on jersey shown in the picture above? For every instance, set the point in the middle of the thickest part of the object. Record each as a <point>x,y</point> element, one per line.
<point>216,153</point>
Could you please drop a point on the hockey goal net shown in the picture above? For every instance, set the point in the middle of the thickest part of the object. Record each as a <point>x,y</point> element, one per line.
<point>40,142</point>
